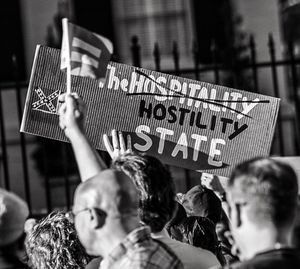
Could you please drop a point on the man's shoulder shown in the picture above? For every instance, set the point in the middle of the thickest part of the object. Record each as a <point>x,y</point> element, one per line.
<point>177,245</point>
<point>153,254</point>
<point>275,259</point>
<point>189,255</point>
<point>139,250</point>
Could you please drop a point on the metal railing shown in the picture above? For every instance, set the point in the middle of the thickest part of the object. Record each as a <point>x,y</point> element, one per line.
<point>253,66</point>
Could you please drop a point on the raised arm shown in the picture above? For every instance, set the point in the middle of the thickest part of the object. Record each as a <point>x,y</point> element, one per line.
<point>118,145</point>
<point>71,120</point>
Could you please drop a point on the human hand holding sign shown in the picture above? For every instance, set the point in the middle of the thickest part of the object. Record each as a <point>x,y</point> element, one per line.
<point>118,146</point>
<point>71,114</point>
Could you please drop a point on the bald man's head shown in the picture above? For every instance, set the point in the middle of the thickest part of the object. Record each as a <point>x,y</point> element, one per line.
<point>111,191</point>
<point>105,208</point>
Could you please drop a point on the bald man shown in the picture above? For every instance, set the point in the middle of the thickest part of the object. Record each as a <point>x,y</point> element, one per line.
<point>105,216</point>
<point>105,205</point>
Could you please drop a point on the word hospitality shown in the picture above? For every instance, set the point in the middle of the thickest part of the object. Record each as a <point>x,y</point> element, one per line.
<point>190,94</point>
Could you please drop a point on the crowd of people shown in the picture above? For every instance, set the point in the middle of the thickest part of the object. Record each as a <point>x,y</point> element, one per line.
<point>128,215</point>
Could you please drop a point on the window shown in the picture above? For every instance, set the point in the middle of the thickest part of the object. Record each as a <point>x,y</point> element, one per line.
<point>161,21</point>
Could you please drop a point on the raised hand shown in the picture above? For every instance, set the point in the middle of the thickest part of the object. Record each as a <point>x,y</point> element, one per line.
<point>118,146</point>
<point>71,120</point>
<point>213,183</point>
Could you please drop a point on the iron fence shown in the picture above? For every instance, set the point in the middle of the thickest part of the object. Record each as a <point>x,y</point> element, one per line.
<point>290,63</point>
<point>252,65</point>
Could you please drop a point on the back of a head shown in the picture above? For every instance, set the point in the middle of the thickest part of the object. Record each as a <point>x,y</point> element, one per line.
<point>269,187</point>
<point>13,213</point>
<point>202,202</point>
<point>53,243</point>
<point>112,191</point>
<point>155,185</point>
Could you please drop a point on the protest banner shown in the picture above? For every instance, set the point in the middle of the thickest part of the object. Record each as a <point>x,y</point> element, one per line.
<point>183,122</point>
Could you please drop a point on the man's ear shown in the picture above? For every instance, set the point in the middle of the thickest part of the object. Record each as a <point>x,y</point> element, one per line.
<point>28,226</point>
<point>97,218</point>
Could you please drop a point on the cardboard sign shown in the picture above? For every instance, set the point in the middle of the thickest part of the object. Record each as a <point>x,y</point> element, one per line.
<point>183,122</point>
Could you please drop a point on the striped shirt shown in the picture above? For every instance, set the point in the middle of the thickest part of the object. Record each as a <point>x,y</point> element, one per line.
<point>139,250</point>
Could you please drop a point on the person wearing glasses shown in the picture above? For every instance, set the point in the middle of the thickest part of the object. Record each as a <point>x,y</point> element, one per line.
<point>105,206</point>
<point>262,204</point>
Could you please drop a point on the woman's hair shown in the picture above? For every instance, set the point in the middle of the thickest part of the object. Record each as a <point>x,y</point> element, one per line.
<point>155,185</point>
<point>53,243</point>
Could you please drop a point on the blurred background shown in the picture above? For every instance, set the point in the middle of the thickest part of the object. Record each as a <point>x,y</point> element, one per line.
<point>250,45</point>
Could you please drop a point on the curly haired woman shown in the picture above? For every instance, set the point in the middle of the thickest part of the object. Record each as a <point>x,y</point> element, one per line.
<point>53,243</point>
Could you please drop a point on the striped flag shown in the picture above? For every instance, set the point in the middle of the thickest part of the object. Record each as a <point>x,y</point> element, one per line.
<point>87,53</point>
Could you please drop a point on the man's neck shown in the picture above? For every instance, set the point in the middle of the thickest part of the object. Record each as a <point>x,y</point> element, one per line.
<point>264,239</point>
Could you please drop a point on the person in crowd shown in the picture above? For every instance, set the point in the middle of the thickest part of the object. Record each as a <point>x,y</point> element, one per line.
<point>52,243</point>
<point>71,121</point>
<point>106,218</point>
<point>196,231</point>
<point>13,213</point>
<point>227,244</point>
<point>105,205</point>
<point>157,202</point>
<point>202,202</point>
<point>262,205</point>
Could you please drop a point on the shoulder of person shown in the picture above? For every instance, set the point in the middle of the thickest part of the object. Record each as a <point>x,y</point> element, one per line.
<point>235,265</point>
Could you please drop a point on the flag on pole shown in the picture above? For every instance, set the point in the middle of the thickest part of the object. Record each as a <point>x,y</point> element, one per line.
<point>86,53</point>
<point>65,53</point>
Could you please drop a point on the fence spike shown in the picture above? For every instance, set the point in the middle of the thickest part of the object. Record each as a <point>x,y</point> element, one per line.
<point>135,50</point>
<point>195,51</point>
<point>252,42</point>
<point>213,51</point>
<point>175,53</point>
<point>156,54</point>
<point>271,42</point>
<point>295,93</point>
<point>252,47</point>
<point>276,91</point>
